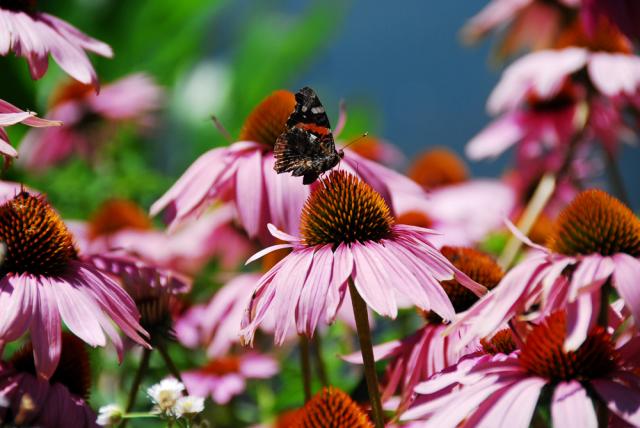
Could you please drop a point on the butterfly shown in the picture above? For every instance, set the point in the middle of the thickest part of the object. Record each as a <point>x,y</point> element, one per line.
<point>307,147</point>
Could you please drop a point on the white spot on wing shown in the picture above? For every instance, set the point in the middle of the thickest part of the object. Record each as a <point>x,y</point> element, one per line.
<point>317,110</point>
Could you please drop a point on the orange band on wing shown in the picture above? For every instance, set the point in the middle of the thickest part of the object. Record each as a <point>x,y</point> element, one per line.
<point>320,130</point>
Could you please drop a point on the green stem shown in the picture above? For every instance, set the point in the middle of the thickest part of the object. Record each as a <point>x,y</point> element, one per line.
<point>161,347</point>
<point>320,366</point>
<point>364,334</point>
<point>137,380</point>
<point>305,365</point>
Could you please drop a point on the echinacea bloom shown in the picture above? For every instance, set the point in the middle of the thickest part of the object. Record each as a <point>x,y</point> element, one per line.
<point>34,35</point>
<point>500,389</point>
<point>44,282</point>
<point>243,174</point>
<point>330,408</point>
<point>10,115</point>
<point>90,119</point>
<point>594,245</point>
<point>528,24</point>
<point>348,233</point>
<point>427,351</point>
<point>450,207</point>
<point>58,402</point>
<point>224,378</point>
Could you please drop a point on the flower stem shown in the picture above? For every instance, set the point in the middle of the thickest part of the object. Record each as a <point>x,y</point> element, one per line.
<point>320,366</point>
<point>137,380</point>
<point>305,365</point>
<point>364,334</point>
<point>162,348</point>
<point>538,201</point>
<point>615,178</point>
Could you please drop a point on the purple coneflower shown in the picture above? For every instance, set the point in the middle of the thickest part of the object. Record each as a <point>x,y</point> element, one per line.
<point>43,282</point>
<point>34,35</point>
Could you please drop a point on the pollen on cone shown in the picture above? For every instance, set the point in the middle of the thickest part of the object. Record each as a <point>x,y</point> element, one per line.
<point>331,408</point>
<point>438,167</point>
<point>595,222</point>
<point>269,119</point>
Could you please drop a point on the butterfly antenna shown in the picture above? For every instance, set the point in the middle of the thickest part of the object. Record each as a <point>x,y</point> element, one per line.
<point>220,127</point>
<point>356,140</point>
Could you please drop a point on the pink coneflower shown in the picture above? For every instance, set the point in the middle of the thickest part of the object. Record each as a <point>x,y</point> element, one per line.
<point>243,174</point>
<point>527,24</point>
<point>10,115</point>
<point>329,408</point>
<point>225,377</point>
<point>348,232</point>
<point>34,35</point>
<point>44,282</point>
<point>428,351</point>
<point>450,206</point>
<point>496,389</point>
<point>90,120</point>
<point>594,245</point>
<point>57,402</point>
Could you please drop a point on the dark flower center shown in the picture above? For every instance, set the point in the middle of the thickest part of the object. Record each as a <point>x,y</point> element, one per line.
<point>36,239</point>
<point>543,353</point>
<point>269,119</point>
<point>28,6</point>
<point>73,371</point>
<point>331,408</point>
<point>344,209</point>
<point>501,343</point>
<point>595,222</point>
<point>116,215</point>
<point>222,366</point>
<point>438,167</point>
<point>478,266</point>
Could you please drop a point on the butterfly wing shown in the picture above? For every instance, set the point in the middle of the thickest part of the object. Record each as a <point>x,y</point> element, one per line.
<point>309,111</point>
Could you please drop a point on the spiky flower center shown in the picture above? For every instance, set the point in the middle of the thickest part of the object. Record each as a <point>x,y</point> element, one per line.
<point>223,366</point>
<point>438,167</point>
<point>543,353</point>
<point>269,119</point>
<point>605,38</point>
<point>116,215</point>
<point>501,343</point>
<point>331,408</point>
<point>478,266</point>
<point>36,239</point>
<point>73,371</point>
<point>28,6</point>
<point>595,222</point>
<point>344,209</point>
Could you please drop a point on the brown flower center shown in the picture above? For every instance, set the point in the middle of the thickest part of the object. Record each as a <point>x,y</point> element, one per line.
<point>595,222</point>
<point>269,119</point>
<point>501,343</point>
<point>415,218</point>
<point>605,38</point>
<point>116,215</point>
<point>73,370</point>
<point>70,91</point>
<point>344,209</point>
<point>222,366</point>
<point>543,353</point>
<point>28,6</point>
<point>331,408</point>
<point>478,266</point>
<point>438,167</point>
<point>36,239</point>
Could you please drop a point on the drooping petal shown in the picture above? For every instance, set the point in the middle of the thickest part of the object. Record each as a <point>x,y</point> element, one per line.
<point>620,399</point>
<point>625,279</point>
<point>45,328</point>
<point>372,281</point>
<point>571,406</point>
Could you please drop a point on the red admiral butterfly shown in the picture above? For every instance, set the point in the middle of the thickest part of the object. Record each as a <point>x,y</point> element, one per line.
<point>307,147</point>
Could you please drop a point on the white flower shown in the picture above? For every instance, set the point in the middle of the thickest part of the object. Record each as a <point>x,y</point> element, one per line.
<point>165,394</point>
<point>188,406</point>
<point>108,415</point>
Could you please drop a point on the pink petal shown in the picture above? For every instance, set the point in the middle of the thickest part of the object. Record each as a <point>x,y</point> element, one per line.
<point>495,138</point>
<point>372,280</point>
<point>625,279</point>
<point>581,316</point>
<point>342,270</point>
<point>17,302</point>
<point>620,399</point>
<point>249,193</point>
<point>615,74</point>
<point>45,329</point>
<point>313,298</point>
<point>571,406</point>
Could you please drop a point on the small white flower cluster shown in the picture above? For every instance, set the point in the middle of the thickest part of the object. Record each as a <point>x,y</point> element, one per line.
<point>167,399</point>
